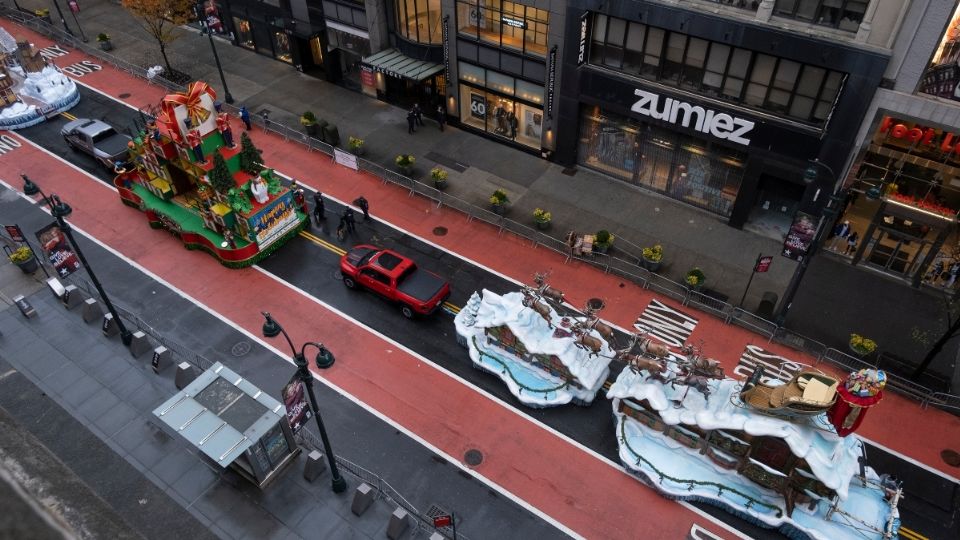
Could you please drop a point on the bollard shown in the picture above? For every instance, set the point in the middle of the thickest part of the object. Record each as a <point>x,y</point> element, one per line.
<point>109,326</point>
<point>362,499</point>
<point>398,524</point>
<point>91,310</point>
<point>437,536</point>
<point>140,344</point>
<point>55,287</point>
<point>25,308</point>
<point>71,297</point>
<point>185,375</point>
<point>161,359</point>
<point>315,466</point>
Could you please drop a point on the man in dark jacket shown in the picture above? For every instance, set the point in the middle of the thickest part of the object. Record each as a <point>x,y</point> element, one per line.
<point>351,222</point>
<point>318,209</point>
<point>411,121</point>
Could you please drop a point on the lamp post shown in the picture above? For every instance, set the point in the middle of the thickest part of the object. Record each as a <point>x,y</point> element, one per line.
<point>826,223</point>
<point>56,4</point>
<point>206,28</point>
<point>61,210</point>
<point>324,360</point>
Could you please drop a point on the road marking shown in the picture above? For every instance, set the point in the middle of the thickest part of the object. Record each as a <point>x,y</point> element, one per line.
<point>910,534</point>
<point>7,374</point>
<point>68,116</point>
<point>323,243</point>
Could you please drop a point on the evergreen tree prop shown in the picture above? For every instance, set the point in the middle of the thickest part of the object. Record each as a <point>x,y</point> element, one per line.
<point>471,309</point>
<point>250,159</point>
<point>239,201</point>
<point>220,177</point>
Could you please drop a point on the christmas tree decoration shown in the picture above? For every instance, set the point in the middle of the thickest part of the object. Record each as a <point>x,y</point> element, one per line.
<point>188,168</point>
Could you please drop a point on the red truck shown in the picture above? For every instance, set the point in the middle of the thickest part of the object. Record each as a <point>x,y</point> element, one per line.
<point>394,277</point>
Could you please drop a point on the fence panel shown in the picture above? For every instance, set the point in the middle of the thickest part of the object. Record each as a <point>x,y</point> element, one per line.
<point>745,319</point>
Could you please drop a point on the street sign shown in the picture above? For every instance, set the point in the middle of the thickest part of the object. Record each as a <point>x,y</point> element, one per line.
<point>442,521</point>
<point>15,233</point>
<point>763,263</point>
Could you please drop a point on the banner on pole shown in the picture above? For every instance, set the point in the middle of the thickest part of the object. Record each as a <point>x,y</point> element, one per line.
<point>798,240</point>
<point>295,401</point>
<point>15,233</point>
<point>57,250</point>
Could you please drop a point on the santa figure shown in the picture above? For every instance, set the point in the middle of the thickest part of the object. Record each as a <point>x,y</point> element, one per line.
<point>223,125</point>
<point>258,187</point>
<point>195,142</point>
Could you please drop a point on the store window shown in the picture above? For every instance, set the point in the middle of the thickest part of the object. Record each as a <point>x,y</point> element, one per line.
<point>704,174</point>
<point>509,25</point>
<point>244,33</point>
<point>501,105</point>
<point>842,14</point>
<point>419,20</point>
<point>281,47</point>
<point>788,88</point>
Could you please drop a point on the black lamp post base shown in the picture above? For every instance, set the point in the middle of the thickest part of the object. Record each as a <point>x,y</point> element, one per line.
<point>339,485</point>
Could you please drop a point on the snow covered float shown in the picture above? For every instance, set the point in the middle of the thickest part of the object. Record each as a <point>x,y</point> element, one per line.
<point>792,473</point>
<point>30,89</point>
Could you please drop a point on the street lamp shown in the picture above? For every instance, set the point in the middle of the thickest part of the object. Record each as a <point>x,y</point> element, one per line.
<point>324,359</point>
<point>63,20</point>
<point>206,28</point>
<point>61,210</point>
<point>826,224</point>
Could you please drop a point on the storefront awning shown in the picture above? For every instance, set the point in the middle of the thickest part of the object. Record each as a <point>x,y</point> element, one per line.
<point>396,64</point>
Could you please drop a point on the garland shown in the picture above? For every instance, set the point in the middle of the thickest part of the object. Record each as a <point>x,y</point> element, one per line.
<point>507,369</point>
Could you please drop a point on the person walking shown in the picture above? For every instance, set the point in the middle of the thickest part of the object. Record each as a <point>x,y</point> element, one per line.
<point>318,209</point>
<point>350,220</point>
<point>840,234</point>
<point>418,114</point>
<point>342,230</point>
<point>441,116</point>
<point>954,272</point>
<point>851,243</point>
<point>364,207</point>
<point>245,117</point>
<point>411,122</point>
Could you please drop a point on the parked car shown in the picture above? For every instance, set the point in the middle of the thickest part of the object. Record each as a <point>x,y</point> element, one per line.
<point>394,277</point>
<point>98,139</point>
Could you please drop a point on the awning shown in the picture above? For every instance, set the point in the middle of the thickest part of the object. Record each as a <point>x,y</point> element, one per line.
<point>396,64</point>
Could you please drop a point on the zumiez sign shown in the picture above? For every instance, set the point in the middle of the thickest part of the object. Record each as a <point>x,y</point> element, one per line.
<point>720,125</point>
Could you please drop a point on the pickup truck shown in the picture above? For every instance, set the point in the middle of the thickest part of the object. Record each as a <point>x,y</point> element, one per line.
<point>98,139</point>
<point>394,277</point>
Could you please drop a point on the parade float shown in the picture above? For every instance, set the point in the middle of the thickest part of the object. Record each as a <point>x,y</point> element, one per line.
<point>189,176</point>
<point>31,90</point>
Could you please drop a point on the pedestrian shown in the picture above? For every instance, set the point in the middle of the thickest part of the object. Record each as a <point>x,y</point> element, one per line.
<point>245,117</point>
<point>364,207</point>
<point>851,243</point>
<point>342,230</point>
<point>411,122</point>
<point>935,272</point>
<point>954,272</point>
<point>418,114</point>
<point>299,198</point>
<point>441,116</point>
<point>318,209</point>
<point>840,234</point>
<point>349,219</point>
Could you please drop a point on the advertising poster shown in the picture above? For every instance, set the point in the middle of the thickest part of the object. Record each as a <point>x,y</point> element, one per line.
<point>478,106</point>
<point>295,401</point>
<point>58,251</point>
<point>942,75</point>
<point>272,222</point>
<point>800,236</point>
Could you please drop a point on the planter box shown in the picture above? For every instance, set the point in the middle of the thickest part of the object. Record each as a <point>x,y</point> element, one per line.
<point>653,266</point>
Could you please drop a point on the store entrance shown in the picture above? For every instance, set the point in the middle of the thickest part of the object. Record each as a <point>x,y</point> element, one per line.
<point>777,201</point>
<point>895,252</point>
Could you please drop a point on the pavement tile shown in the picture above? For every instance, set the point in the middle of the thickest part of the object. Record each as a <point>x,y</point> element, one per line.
<point>320,522</point>
<point>173,466</point>
<point>97,404</point>
<point>196,480</point>
<point>150,452</point>
<point>42,365</point>
<point>115,418</point>
<point>260,524</point>
<point>113,368</point>
<point>286,501</point>
<point>125,387</point>
<point>80,390</point>
<point>61,379</point>
<point>218,500</point>
<point>148,398</point>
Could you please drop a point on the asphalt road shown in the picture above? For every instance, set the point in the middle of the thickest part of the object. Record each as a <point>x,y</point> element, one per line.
<point>312,267</point>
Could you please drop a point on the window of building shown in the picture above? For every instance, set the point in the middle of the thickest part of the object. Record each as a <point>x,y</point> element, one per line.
<point>505,24</point>
<point>842,14</point>
<point>244,33</point>
<point>281,47</point>
<point>501,105</point>
<point>802,92</point>
<point>419,20</point>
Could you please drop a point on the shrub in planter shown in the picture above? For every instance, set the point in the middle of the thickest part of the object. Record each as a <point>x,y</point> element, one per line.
<point>652,257</point>
<point>23,257</point>
<point>439,177</point>
<point>405,163</point>
<point>104,41</point>
<point>862,345</point>
<point>695,278</point>
<point>542,218</point>
<point>309,122</point>
<point>498,200</point>
<point>602,241</point>
<point>356,145</point>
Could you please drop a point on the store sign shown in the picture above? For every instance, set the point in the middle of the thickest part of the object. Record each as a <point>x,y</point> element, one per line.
<point>551,80</point>
<point>367,78</point>
<point>510,21</point>
<point>446,49</point>
<point>948,142</point>
<point>54,245</point>
<point>763,264</point>
<point>15,233</point>
<point>720,125</point>
<point>478,106</point>
<point>798,240</point>
<point>584,27</point>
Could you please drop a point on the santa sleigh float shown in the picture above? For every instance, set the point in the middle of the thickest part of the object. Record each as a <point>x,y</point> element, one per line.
<point>192,178</point>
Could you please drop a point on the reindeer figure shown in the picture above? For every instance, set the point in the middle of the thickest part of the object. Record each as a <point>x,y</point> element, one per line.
<point>650,347</point>
<point>656,368</point>
<point>697,371</point>
<point>530,301</point>
<point>584,340</point>
<point>545,290</point>
<point>603,329</point>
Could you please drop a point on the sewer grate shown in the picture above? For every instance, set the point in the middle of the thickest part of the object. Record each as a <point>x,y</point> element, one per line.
<point>473,457</point>
<point>951,457</point>
<point>124,95</point>
<point>240,349</point>
<point>435,511</point>
<point>439,231</point>
<point>570,171</point>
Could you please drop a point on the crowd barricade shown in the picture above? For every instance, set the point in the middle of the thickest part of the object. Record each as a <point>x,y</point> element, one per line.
<point>629,270</point>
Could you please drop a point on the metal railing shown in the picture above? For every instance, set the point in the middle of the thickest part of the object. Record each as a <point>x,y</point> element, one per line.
<point>629,269</point>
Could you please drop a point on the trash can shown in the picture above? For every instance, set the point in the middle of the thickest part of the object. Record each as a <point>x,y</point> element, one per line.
<point>768,303</point>
<point>331,135</point>
<point>321,128</point>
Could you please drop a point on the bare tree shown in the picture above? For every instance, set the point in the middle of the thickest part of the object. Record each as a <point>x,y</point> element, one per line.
<point>160,19</point>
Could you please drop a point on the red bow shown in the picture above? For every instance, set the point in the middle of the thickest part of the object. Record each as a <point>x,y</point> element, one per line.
<point>191,100</point>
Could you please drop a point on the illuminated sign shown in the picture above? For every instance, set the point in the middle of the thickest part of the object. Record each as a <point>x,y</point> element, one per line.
<point>510,21</point>
<point>674,111</point>
<point>947,142</point>
<point>584,25</point>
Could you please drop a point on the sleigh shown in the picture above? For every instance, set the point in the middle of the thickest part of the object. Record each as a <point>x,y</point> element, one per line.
<point>808,393</point>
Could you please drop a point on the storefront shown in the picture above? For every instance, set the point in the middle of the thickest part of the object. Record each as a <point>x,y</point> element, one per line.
<point>401,80</point>
<point>352,44</point>
<point>500,105</point>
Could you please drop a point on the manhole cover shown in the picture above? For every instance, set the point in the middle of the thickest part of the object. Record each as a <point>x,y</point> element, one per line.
<point>337,275</point>
<point>124,95</point>
<point>951,458</point>
<point>473,457</point>
<point>439,231</point>
<point>240,349</point>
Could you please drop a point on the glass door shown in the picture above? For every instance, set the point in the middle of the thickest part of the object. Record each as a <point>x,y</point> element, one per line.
<point>896,252</point>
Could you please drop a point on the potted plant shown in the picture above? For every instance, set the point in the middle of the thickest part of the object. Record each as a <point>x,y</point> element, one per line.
<point>104,41</point>
<point>439,177</point>
<point>405,163</point>
<point>356,146</point>
<point>43,13</point>
<point>862,346</point>
<point>602,241</point>
<point>653,257</point>
<point>542,218</point>
<point>498,200</point>
<point>695,278</point>
<point>309,122</point>
<point>23,257</point>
